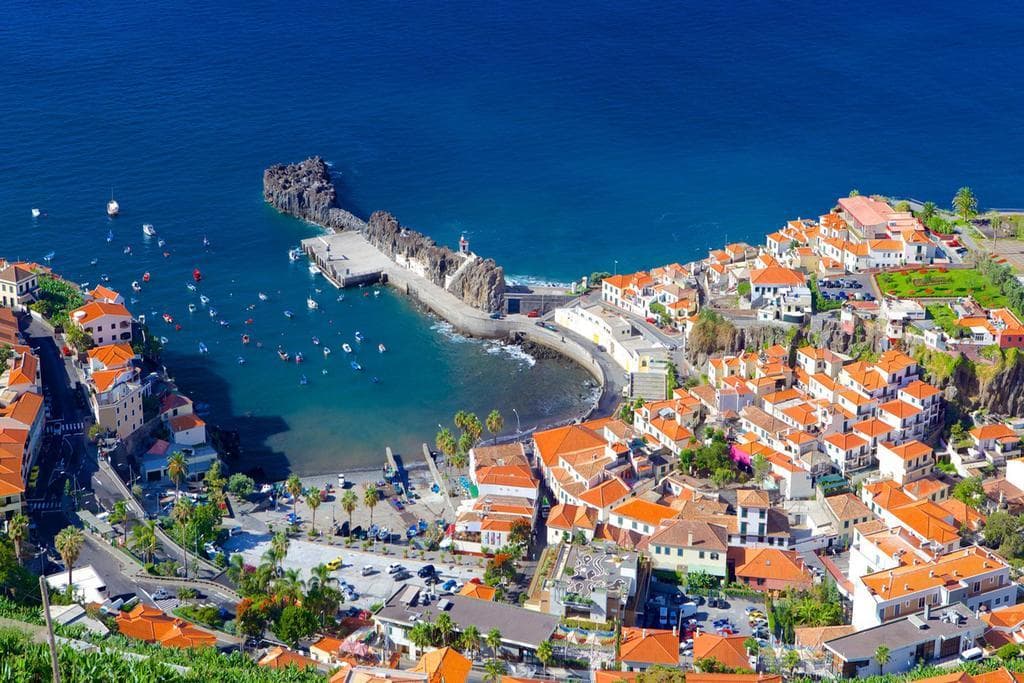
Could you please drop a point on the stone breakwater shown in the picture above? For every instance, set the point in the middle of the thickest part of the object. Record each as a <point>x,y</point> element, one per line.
<point>305,190</point>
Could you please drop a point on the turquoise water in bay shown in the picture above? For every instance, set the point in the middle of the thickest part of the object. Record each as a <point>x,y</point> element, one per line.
<point>559,138</point>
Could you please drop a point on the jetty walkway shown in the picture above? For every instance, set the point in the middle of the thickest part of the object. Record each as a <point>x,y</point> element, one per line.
<point>347,259</point>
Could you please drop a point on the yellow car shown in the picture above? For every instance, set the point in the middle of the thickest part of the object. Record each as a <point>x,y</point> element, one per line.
<point>335,564</point>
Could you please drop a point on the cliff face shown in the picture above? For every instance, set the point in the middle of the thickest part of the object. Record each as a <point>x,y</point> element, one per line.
<point>305,190</point>
<point>480,283</point>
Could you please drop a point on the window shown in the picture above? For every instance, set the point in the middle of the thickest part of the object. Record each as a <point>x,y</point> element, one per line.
<point>701,554</point>
<point>657,550</point>
<point>679,552</point>
<point>977,586</point>
<point>714,556</point>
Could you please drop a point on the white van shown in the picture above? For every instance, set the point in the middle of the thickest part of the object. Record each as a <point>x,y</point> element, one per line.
<point>368,569</point>
<point>971,655</point>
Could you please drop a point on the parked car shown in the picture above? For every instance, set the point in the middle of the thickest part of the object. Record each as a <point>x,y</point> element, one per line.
<point>161,594</point>
<point>496,315</point>
<point>368,569</point>
<point>425,571</point>
<point>533,314</point>
<point>335,564</point>
<point>395,567</point>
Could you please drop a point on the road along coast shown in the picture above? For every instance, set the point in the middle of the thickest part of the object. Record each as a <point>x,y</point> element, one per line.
<point>459,287</point>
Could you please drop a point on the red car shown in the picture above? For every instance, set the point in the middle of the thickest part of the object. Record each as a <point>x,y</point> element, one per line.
<point>533,314</point>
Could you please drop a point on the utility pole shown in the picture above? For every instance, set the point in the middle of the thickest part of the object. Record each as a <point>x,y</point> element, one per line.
<point>49,629</point>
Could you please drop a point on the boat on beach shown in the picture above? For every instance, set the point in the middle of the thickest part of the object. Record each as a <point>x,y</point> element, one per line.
<point>148,230</point>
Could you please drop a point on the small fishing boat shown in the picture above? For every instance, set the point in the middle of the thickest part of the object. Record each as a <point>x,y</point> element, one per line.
<point>127,250</point>
<point>145,276</point>
<point>376,292</point>
<point>245,339</point>
<point>168,319</point>
<point>381,348</point>
<point>167,254</point>
<point>163,340</point>
<point>35,213</point>
<point>136,287</point>
<point>241,361</point>
<point>288,314</point>
<point>148,230</point>
<point>202,348</point>
<point>161,242</point>
<point>316,341</point>
<point>206,242</point>
<point>346,348</point>
<point>375,379</point>
<point>318,290</point>
<point>341,297</point>
<point>262,296</point>
<point>327,351</point>
<point>324,371</point>
<point>303,381</point>
<point>298,357</point>
<point>311,304</point>
<point>294,254</point>
<point>177,328</point>
<point>196,275</point>
<point>105,277</point>
<point>356,366</point>
<point>359,336</point>
<point>203,299</point>
<point>113,208</point>
<point>282,354</point>
<point>213,312</point>
<point>313,270</point>
<point>110,235</point>
<point>133,300</point>
<point>248,321</point>
<point>224,323</point>
<point>94,262</point>
<point>191,308</point>
<point>191,287</point>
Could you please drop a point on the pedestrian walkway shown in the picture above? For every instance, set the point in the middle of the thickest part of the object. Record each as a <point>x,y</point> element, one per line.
<point>58,427</point>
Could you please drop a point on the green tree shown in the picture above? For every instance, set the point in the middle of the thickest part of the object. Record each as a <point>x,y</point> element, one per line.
<point>144,539</point>
<point>17,530</point>
<point>445,628</point>
<point>349,501</point>
<point>241,485</point>
<point>495,423</point>
<point>279,543</point>
<point>965,204</point>
<point>68,543</point>
<point>214,477</point>
<point>469,640</point>
<point>371,496</point>
<point>288,587</point>
<point>119,515</point>
<point>421,635</point>
<point>78,339</point>
<point>446,442</point>
<point>928,209</point>
<point>700,580</point>
<point>313,501</point>
<point>494,669</point>
<point>520,532</point>
<point>761,468</point>
<point>854,192</point>
<point>294,624</point>
<point>177,470</point>
<point>493,640</point>
<point>791,660</point>
<point>293,485</point>
<point>902,206</point>
<point>970,492</point>
<point>882,655</point>
<point>545,653</point>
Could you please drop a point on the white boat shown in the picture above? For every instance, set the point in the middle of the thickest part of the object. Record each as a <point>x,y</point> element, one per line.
<point>381,348</point>
<point>327,350</point>
<point>376,292</point>
<point>191,308</point>
<point>94,262</point>
<point>203,299</point>
<point>136,287</point>
<point>359,337</point>
<point>313,270</point>
<point>127,250</point>
<point>148,230</point>
<point>341,297</point>
<point>35,213</point>
<point>161,242</point>
<point>346,348</point>
<point>213,312</point>
<point>262,296</point>
<point>294,254</point>
<point>202,348</point>
<point>191,287</point>
<point>163,340</point>
<point>288,314</point>
<point>311,304</point>
<point>113,208</point>
<point>206,242</point>
<point>316,341</point>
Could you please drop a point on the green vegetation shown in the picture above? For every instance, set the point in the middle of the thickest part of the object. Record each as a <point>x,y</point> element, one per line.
<point>147,344</point>
<point>820,606</point>
<point>711,460</point>
<point>945,318</point>
<point>207,615</point>
<point>937,365</point>
<point>743,288</point>
<point>1004,279</point>
<point>241,485</point>
<point>821,304</point>
<point>970,492</point>
<point>6,353</point>
<point>57,298</point>
<point>943,283</point>
<point>965,204</point>
<point>658,309</point>
<point>940,225</point>
<point>1005,532</point>
<point>710,333</point>
<point>627,408</point>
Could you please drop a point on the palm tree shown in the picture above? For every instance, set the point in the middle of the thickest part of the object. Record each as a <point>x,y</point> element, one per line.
<point>494,669</point>
<point>69,544</point>
<point>293,485</point>
<point>445,628</point>
<point>882,657</point>
<point>119,515</point>
<point>470,639</point>
<point>370,499</point>
<point>473,428</point>
<point>236,567</point>
<point>181,513</point>
<point>927,211</point>
<point>545,653</point>
<point>965,204</point>
<point>177,470</point>
<point>144,540</point>
<point>421,635</point>
<point>279,548</point>
<point>17,529</point>
<point>493,640</point>
<point>460,420</point>
<point>445,442</point>
<point>495,423</point>
<point>289,586</point>
<point>320,575</point>
<point>313,501</point>
<point>349,502</point>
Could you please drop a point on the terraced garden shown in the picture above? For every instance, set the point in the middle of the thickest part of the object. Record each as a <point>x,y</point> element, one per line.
<point>941,283</point>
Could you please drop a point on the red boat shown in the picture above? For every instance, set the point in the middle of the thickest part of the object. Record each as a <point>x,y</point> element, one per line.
<point>168,319</point>
<point>145,276</point>
<point>177,328</point>
<point>245,339</point>
<point>196,275</point>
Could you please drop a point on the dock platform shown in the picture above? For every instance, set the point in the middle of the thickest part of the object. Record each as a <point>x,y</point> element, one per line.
<point>346,259</point>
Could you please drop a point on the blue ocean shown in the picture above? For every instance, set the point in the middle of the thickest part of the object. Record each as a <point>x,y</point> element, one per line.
<point>560,138</point>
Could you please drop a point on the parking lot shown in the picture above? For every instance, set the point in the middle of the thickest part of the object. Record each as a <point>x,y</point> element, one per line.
<point>849,287</point>
<point>371,588</point>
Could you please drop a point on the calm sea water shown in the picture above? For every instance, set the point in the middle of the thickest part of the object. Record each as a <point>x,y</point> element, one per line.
<point>560,139</point>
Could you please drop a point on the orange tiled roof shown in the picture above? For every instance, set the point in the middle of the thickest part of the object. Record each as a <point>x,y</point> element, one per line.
<point>920,390</point>
<point>696,677</point>
<point>112,356</point>
<point>644,511</point>
<point>606,493</point>
<point>444,666</point>
<point>153,626</point>
<point>97,309</point>
<point>727,650</point>
<point>997,431</point>
<point>280,658</point>
<point>478,591</point>
<point>649,646</point>
<point>568,517</point>
<point>948,570</point>
<point>910,450</point>
<point>553,443</point>
<point>183,422</point>
<point>774,564</point>
<point>776,275</point>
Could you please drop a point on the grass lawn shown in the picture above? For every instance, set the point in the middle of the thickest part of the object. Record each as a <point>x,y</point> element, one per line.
<point>937,282</point>
<point>945,318</point>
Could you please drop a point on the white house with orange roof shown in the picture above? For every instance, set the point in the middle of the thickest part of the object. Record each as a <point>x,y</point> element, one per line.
<point>930,522</point>
<point>926,398</point>
<point>668,422</point>
<point>906,420</point>
<point>22,422</point>
<point>503,470</point>
<point>106,323</point>
<point>19,285</point>
<point>566,521</point>
<point>21,374</point>
<point>906,462</point>
<point>641,516</point>
<point>996,442</point>
<point>631,292</point>
<point>972,576</point>
<point>115,394</point>
<point>773,284</point>
<point>106,295</point>
<point>488,522</point>
<point>1005,626</point>
<point>848,452</point>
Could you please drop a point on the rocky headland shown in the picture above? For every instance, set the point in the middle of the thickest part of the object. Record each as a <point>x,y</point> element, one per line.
<point>305,190</point>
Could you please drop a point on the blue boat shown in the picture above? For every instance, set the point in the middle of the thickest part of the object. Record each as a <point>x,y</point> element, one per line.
<point>202,348</point>
<point>303,380</point>
<point>356,366</point>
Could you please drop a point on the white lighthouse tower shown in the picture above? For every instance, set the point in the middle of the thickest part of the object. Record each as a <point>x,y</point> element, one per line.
<point>463,245</point>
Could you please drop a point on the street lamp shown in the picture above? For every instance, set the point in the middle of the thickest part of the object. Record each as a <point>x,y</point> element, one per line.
<point>518,426</point>
<point>616,267</point>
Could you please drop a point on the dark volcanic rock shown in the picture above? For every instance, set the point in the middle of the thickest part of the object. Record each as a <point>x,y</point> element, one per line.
<point>305,190</point>
<point>480,283</point>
